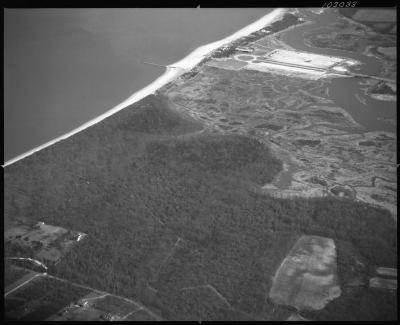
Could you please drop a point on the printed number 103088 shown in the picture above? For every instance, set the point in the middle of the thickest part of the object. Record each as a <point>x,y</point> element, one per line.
<point>342,4</point>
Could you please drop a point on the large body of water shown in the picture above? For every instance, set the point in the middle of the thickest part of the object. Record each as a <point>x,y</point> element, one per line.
<point>374,115</point>
<point>63,67</point>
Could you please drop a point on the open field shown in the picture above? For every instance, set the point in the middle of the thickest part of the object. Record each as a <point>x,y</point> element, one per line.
<point>307,277</point>
<point>286,70</point>
<point>386,271</point>
<point>388,284</point>
<point>45,243</point>
<point>304,58</point>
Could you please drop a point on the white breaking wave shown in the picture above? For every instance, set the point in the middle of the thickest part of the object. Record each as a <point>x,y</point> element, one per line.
<point>172,72</point>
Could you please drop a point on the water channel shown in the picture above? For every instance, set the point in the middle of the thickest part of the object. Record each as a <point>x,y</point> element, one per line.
<point>374,115</point>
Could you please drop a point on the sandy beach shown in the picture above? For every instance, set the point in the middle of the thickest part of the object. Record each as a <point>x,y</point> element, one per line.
<point>172,72</point>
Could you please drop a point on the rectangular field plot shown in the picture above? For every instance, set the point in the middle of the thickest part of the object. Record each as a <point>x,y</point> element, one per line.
<point>284,70</point>
<point>40,298</point>
<point>48,243</point>
<point>307,277</point>
<point>381,283</point>
<point>386,271</point>
<point>304,58</point>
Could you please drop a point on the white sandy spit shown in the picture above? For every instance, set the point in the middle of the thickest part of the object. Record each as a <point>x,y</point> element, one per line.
<point>172,72</point>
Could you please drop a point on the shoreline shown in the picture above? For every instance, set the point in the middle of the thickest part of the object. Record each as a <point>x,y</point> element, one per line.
<point>172,72</point>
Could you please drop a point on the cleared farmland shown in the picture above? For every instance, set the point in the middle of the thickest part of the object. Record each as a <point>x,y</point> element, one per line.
<point>307,277</point>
